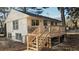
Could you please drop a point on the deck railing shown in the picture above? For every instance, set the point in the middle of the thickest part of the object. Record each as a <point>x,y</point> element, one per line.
<point>31,29</point>
<point>52,29</point>
<point>57,30</point>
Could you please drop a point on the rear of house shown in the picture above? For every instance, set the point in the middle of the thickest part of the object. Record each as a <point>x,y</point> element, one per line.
<point>19,24</point>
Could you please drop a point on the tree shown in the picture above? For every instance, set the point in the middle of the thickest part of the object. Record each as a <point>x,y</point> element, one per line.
<point>3,10</point>
<point>61,9</point>
<point>73,14</point>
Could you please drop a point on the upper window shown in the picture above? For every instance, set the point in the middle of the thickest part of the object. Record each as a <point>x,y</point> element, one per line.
<point>45,22</point>
<point>35,22</point>
<point>56,23</point>
<point>52,23</point>
<point>15,24</point>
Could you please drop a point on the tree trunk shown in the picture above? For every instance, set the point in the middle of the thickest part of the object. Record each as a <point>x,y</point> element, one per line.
<point>75,25</point>
<point>62,16</point>
<point>1,27</point>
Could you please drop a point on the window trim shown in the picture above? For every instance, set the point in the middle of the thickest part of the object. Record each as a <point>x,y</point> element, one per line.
<point>36,22</point>
<point>15,25</point>
<point>52,23</point>
<point>45,22</point>
<point>18,36</point>
<point>9,35</point>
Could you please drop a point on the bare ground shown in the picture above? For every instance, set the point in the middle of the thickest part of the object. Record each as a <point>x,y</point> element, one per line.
<point>11,45</point>
<point>71,44</point>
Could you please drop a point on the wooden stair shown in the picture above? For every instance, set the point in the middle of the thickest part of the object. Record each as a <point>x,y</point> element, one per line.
<point>38,41</point>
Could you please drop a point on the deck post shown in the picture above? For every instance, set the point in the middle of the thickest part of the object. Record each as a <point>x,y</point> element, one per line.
<point>49,26</point>
<point>40,25</point>
<point>50,45</point>
<point>47,42</point>
<point>37,43</point>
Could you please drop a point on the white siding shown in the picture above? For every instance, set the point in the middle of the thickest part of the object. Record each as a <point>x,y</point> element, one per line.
<point>22,21</point>
<point>22,29</point>
<point>13,15</point>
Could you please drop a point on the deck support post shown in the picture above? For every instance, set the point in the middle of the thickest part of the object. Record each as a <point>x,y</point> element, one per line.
<point>49,26</point>
<point>50,45</point>
<point>47,42</point>
<point>37,43</point>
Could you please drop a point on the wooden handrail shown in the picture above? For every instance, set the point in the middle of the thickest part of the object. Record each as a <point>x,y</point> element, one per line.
<point>57,28</point>
<point>42,33</point>
<point>43,40</point>
<point>34,34</point>
<point>35,31</point>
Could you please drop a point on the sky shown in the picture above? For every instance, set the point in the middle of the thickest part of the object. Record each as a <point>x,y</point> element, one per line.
<point>52,12</point>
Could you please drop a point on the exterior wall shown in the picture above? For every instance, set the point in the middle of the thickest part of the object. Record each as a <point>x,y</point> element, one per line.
<point>29,21</point>
<point>14,15</point>
<point>22,21</point>
<point>41,23</point>
<point>22,29</point>
<point>41,20</point>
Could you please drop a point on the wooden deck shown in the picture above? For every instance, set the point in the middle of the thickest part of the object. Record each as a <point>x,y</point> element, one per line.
<point>41,37</point>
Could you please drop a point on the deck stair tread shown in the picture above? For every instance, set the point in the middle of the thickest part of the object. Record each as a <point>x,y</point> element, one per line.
<point>32,48</point>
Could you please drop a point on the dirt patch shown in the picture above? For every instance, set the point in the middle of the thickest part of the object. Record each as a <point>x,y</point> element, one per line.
<point>16,46</point>
<point>9,45</point>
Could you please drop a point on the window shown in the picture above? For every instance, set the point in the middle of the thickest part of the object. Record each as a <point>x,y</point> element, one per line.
<point>45,22</point>
<point>35,22</point>
<point>15,24</point>
<point>9,35</point>
<point>52,23</point>
<point>18,36</point>
<point>56,23</point>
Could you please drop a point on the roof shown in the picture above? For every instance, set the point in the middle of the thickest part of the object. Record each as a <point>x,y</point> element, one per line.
<point>14,14</point>
<point>48,18</point>
<point>37,15</point>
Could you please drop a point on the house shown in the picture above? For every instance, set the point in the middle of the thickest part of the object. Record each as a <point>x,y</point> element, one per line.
<point>31,29</point>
